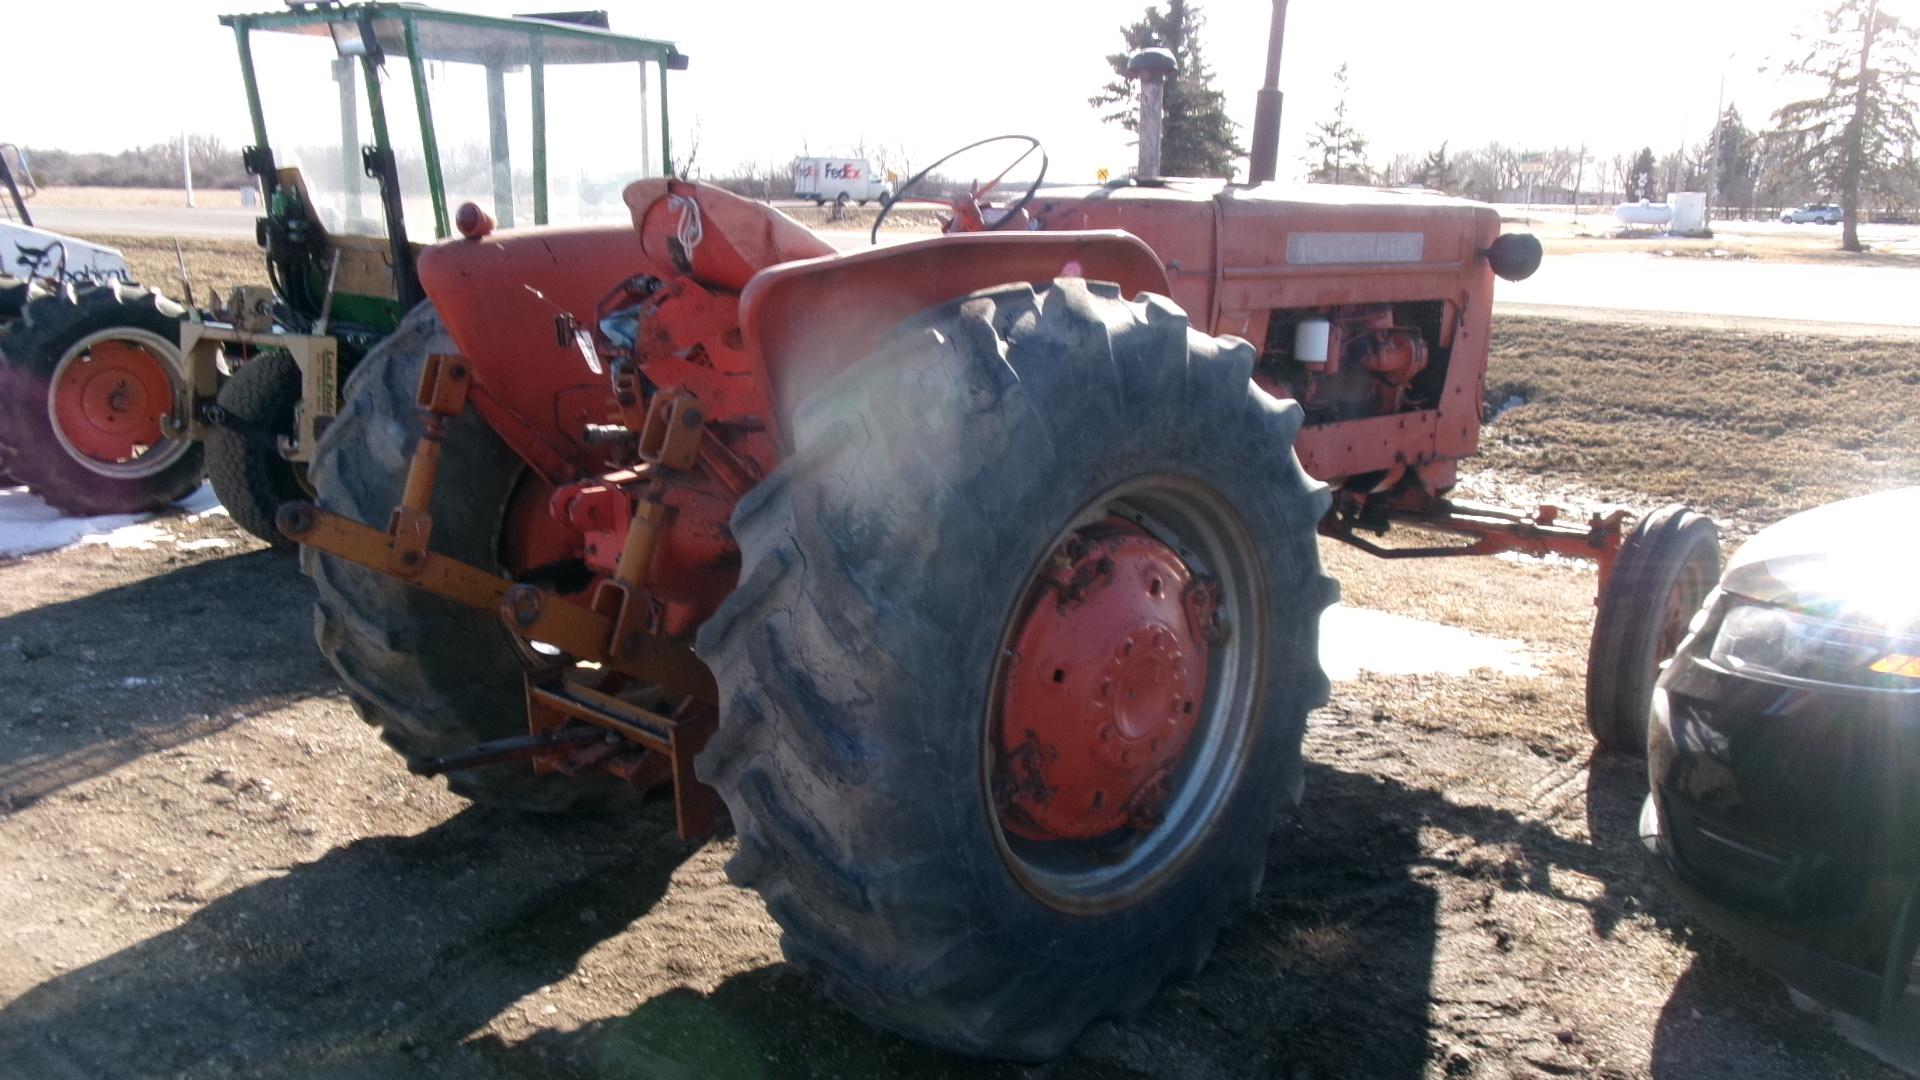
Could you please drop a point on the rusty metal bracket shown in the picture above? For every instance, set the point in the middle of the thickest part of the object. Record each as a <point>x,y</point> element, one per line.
<point>443,394</point>
<point>675,426</point>
<point>1491,530</point>
<point>500,751</point>
<point>539,614</point>
<point>556,700</point>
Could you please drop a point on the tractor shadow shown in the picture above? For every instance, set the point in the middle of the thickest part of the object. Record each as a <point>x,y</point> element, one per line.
<point>394,956</point>
<point>376,959</point>
<point>1329,971</point>
<point>91,683</point>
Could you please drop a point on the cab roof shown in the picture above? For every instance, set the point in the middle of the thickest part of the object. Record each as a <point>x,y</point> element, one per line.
<point>463,38</point>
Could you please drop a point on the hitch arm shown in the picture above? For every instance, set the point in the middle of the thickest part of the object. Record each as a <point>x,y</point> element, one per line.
<point>542,615</point>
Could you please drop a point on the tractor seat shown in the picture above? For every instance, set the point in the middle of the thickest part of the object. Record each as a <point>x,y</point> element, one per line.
<point>714,236</point>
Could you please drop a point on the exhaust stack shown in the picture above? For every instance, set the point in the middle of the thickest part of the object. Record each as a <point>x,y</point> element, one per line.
<point>1266,111</point>
<point>1151,67</point>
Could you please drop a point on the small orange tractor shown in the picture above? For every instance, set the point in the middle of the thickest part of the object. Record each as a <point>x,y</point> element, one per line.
<point>978,576</point>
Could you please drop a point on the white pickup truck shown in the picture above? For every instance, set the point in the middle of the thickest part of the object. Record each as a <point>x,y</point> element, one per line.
<point>839,180</point>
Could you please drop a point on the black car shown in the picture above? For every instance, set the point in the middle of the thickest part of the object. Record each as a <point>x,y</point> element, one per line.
<point>1784,756</point>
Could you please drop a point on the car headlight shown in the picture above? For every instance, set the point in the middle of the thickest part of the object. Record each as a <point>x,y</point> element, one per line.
<point>1781,645</point>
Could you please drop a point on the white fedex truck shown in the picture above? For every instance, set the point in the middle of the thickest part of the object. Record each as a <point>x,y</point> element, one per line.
<point>839,180</point>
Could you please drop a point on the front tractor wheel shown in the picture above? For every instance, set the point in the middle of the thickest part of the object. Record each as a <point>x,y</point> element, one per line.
<point>1017,673</point>
<point>1664,571</point>
<point>248,473</point>
<point>87,381</point>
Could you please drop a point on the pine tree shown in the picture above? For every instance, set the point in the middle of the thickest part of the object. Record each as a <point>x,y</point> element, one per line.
<point>1198,137</point>
<point>1854,131</point>
<point>1343,152</point>
<point>1436,172</point>
<point>1640,176</point>
<point>1733,153</point>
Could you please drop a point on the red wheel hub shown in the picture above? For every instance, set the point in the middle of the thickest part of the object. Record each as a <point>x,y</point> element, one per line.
<point>1103,687</point>
<point>110,400</point>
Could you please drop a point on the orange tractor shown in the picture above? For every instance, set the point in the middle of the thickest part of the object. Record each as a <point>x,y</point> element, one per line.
<point>977,576</point>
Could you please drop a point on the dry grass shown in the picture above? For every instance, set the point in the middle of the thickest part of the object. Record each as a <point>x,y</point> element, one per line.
<point>1752,425</point>
<point>213,265</point>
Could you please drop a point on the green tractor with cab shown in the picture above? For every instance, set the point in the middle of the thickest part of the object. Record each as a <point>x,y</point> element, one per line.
<point>115,398</point>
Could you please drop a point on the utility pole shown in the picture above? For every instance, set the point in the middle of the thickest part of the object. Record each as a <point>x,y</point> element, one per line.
<point>186,165</point>
<point>1719,110</point>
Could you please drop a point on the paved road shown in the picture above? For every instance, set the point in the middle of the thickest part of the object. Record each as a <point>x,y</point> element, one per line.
<point>146,221</point>
<point>1617,281</point>
<point>1648,282</point>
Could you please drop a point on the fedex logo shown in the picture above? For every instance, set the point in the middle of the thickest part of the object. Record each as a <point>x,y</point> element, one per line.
<point>848,171</point>
<point>804,170</point>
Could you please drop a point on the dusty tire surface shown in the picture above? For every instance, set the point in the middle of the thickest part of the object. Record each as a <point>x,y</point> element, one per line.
<point>880,565</point>
<point>31,347</point>
<point>251,477</point>
<point>14,294</point>
<point>1665,569</point>
<point>434,676</point>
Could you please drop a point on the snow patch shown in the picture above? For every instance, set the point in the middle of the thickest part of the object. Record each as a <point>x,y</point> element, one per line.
<point>208,544</point>
<point>29,526</point>
<point>201,502</point>
<point>1353,640</point>
<point>135,537</point>
<point>1513,401</point>
<point>1551,558</point>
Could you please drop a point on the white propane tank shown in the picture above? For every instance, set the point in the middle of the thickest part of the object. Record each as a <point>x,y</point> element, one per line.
<point>1643,213</point>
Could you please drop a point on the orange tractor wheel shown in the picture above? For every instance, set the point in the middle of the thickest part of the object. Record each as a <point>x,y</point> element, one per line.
<point>87,379</point>
<point>1016,676</point>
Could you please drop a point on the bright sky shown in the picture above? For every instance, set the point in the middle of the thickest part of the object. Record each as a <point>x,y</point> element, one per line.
<point>768,79</point>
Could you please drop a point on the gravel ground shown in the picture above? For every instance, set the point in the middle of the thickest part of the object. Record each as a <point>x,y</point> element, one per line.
<point>210,867</point>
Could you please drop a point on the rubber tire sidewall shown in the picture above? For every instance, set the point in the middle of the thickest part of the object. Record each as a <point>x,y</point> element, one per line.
<point>1622,664</point>
<point>252,479</point>
<point>882,563</point>
<point>434,676</point>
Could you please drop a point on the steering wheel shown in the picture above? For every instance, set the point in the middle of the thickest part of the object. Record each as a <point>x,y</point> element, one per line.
<point>967,211</point>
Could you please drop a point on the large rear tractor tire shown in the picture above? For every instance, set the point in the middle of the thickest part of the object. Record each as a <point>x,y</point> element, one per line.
<point>1669,563</point>
<point>1015,679</point>
<point>434,676</point>
<point>86,378</point>
<point>14,296</point>
<point>247,471</point>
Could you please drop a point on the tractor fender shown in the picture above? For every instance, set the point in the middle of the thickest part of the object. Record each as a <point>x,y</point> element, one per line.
<point>499,297</point>
<point>805,322</point>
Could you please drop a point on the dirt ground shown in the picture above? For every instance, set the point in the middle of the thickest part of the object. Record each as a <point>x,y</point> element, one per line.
<point>210,867</point>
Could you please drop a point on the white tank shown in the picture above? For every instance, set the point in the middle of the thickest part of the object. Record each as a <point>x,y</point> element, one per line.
<point>1689,212</point>
<point>1643,213</point>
